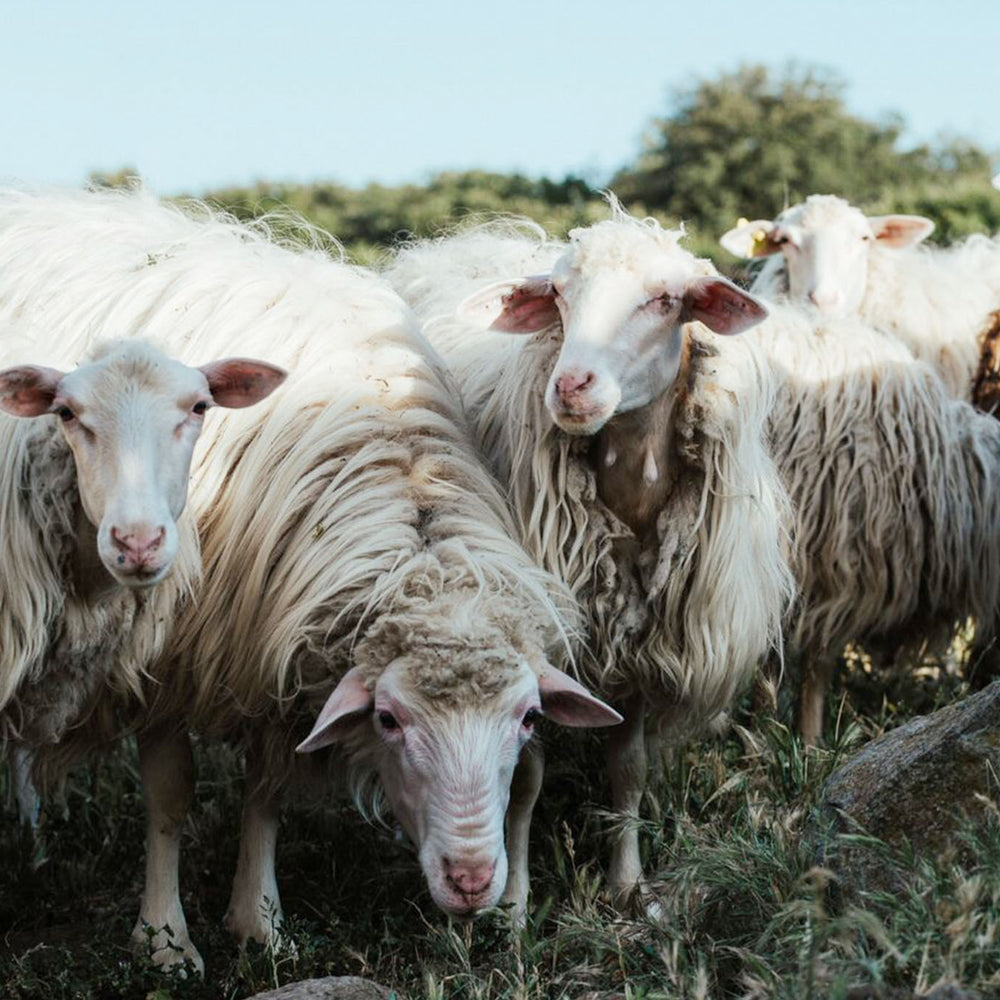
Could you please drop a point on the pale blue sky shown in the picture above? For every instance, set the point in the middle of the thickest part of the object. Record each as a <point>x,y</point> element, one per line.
<point>201,94</point>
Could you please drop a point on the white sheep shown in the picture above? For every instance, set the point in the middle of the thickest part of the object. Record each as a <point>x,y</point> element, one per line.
<point>359,572</point>
<point>633,443</point>
<point>942,303</point>
<point>95,557</point>
<point>647,485</point>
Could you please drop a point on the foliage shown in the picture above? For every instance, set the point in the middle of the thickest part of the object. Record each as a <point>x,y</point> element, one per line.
<point>745,144</point>
<point>751,142</point>
<point>377,217</point>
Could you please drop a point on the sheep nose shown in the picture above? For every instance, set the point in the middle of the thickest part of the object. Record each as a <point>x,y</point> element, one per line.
<point>470,878</point>
<point>138,544</point>
<point>574,384</point>
<point>823,299</point>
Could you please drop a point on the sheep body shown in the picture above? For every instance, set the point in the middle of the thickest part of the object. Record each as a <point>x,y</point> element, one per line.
<point>894,484</point>
<point>62,643</point>
<point>671,618</point>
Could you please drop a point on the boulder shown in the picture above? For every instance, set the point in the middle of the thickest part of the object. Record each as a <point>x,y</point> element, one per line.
<point>948,991</point>
<point>331,988</point>
<point>913,784</point>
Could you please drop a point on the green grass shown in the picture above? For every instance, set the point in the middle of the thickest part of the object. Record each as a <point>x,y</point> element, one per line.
<point>746,909</point>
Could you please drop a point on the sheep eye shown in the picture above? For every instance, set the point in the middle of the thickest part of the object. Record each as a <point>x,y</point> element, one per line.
<point>531,717</point>
<point>782,241</point>
<point>199,408</point>
<point>65,414</point>
<point>388,721</point>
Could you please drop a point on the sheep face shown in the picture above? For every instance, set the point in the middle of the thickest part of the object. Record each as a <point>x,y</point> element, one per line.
<point>826,244</point>
<point>131,419</point>
<point>622,293</point>
<point>446,753</point>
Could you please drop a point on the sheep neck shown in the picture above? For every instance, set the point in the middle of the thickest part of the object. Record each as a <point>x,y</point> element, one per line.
<point>632,460</point>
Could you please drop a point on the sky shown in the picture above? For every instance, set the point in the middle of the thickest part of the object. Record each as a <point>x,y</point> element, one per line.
<point>200,95</point>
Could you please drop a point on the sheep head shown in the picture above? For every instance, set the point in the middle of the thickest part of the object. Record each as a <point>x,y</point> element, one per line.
<point>622,292</point>
<point>826,244</point>
<point>131,418</point>
<point>444,724</point>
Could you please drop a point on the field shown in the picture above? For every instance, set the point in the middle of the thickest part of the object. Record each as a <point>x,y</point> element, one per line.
<point>746,910</point>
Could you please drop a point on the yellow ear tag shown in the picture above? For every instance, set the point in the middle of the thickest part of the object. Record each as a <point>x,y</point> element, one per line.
<point>759,243</point>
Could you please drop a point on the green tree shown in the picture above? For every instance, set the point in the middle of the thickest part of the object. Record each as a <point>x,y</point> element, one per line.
<point>751,142</point>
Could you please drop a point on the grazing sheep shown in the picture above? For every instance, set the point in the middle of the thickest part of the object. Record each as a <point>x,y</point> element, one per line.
<point>647,486</point>
<point>360,578</point>
<point>941,303</point>
<point>95,559</point>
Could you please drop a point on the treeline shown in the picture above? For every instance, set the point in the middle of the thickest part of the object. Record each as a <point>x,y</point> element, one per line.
<point>745,144</point>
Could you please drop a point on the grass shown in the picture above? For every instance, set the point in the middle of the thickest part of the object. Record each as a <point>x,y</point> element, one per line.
<point>746,910</point>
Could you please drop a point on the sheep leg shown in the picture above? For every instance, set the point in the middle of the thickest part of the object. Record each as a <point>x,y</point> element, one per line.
<point>254,911</point>
<point>167,765</point>
<point>524,789</point>
<point>627,770</point>
<point>815,685</point>
<point>22,788</point>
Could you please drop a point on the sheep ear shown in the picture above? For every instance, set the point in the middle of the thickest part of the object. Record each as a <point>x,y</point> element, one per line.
<point>899,231</point>
<point>238,382</point>
<point>569,703</point>
<point>751,239</point>
<point>721,306</point>
<point>524,305</point>
<point>29,391</point>
<point>349,702</point>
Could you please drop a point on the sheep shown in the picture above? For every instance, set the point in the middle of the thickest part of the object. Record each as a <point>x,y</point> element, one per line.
<point>95,557</point>
<point>639,472</point>
<point>942,303</point>
<point>360,583</point>
<point>830,435</point>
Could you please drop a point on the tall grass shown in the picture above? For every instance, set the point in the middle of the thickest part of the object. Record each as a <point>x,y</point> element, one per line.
<point>743,907</point>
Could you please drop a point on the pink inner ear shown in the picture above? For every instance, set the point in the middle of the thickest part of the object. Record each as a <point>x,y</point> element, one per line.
<point>901,230</point>
<point>239,382</point>
<point>721,306</point>
<point>350,700</point>
<point>569,703</point>
<point>528,308</point>
<point>29,391</point>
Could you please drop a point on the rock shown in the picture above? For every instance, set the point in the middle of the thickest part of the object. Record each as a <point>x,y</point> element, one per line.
<point>945,992</point>
<point>914,783</point>
<point>331,988</point>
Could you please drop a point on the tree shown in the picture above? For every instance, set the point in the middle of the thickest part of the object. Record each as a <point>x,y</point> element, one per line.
<point>752,142</point>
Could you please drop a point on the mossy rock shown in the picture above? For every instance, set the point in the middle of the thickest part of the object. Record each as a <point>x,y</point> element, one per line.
<point>331,988</point>
<point>912,790</point>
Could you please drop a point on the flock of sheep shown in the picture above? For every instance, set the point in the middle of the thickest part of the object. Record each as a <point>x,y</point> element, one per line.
<point>508,477</point>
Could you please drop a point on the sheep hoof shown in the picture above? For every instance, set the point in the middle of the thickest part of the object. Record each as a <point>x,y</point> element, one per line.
<point>515,905</point>
<point>637,899</point>
<point>263,929</point>
<point>167,951</point>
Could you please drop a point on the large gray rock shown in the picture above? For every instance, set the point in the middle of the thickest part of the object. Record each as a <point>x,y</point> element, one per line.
<point>946,992</point>
<point>331,988</point>
<point>914,783</point>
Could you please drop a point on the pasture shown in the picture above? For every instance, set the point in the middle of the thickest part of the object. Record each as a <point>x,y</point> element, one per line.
<point>741,903</point>
<point>746,910</point>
